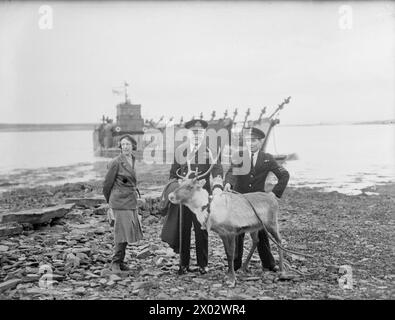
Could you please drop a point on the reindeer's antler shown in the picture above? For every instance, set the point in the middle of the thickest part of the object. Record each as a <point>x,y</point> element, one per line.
<point>188,173</point>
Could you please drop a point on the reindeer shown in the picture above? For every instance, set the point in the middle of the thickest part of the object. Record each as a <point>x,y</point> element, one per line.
<point>229,214</point>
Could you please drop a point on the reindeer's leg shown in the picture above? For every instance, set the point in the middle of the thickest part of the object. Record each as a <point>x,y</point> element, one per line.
<point>225,240</point>
<point>229,244</point>
<point>231,275</point>
<point>254,237</point>
<point>276,235</point>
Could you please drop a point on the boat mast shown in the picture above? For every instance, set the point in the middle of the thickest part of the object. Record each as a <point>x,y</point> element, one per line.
<point>246,117</point>
<point>273,122</point>
<point>213,115</point>
<point>126,92</point>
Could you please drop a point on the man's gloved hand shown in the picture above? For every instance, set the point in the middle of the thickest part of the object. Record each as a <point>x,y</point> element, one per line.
<point>227,187</point>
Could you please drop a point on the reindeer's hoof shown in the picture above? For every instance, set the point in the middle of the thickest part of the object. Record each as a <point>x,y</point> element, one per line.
<point>231,283</point>
<point>245,269</point>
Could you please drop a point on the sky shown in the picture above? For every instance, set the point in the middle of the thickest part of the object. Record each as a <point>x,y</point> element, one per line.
<point>182,58</point>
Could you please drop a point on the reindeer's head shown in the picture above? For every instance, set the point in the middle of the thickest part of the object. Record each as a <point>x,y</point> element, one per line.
<point>192,194</point>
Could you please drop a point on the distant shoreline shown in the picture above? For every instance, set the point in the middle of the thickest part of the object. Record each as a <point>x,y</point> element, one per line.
<point>7,127</point>
<point>26,127</point>
<point>384,122</point>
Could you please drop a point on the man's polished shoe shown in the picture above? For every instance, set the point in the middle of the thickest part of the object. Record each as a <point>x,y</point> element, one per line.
<point>124,267</point>
<point>183,270</point>
<point>203,270</point>
<point>272,269</point>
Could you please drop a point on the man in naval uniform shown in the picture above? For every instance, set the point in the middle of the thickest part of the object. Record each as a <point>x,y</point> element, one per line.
<point>198,156</point>
<point>261,164</point>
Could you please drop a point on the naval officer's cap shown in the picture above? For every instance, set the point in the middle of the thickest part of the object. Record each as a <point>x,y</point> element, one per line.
<point>196,124</point>
<point>257,133</point>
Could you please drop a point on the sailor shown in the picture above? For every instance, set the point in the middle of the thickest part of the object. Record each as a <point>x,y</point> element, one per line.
<point>253,180</point>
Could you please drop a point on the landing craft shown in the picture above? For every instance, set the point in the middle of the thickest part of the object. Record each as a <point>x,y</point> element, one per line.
<point>160,135</point>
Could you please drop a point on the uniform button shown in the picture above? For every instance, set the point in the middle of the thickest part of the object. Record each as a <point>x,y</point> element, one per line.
<point>252,176</point>
<point>249,185</point>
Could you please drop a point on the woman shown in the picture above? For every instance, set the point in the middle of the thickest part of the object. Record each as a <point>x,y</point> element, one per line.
<point>119,189</point>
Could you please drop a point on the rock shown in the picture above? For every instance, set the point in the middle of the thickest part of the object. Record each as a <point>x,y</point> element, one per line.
<point>82,256</point>
<point>266,298</point>
<point>144,254</point>
<point>72,259</point>
<point>100,230</point>
<point>159,261</point>
<point>57,277</point>
<point>252,279</point>
<point>142,285</point>
<point>76,215</point>
<point>110,283</point>
<point>32,277</point>
<point>105,272</point>
<point>149,220</point>
<point>36,216</point>
<point>80,290</point>
<point>332,268</point>
<point>102,210</point>
<point>163,296</point>
<point>4,248</point>
<point>10,229</point>
<point>9,284</point>
<point>286,276</point>
<point>35,291</point>
<point>115,278</point>
<point>87,202</point>
<point>333,297</point>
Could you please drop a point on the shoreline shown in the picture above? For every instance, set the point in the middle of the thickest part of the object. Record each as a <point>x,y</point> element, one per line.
<point>336,229</point>
<point>156,176</point>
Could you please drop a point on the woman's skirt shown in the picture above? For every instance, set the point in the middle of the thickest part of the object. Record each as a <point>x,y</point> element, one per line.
<point>127,227</point>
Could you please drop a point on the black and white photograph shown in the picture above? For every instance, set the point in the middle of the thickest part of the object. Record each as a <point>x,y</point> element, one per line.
<point>205,152</point>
